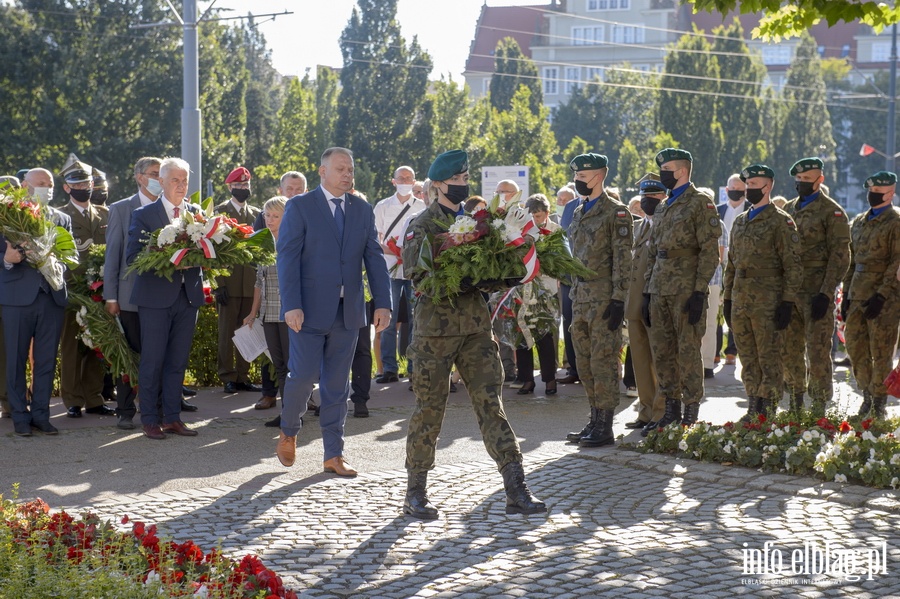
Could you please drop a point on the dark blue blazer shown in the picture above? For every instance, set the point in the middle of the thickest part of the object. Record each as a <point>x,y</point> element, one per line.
<point>20,285</point>
<point>150,290</point>
<point>724,206</point>
<point>313,262</point>
<point>569,213</point>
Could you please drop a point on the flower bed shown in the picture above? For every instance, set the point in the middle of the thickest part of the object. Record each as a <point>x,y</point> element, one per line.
<point>44,554</point>
<point>866,452</point>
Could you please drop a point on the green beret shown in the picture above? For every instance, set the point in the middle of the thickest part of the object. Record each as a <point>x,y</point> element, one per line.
<point>806,164</point>
<point>881,178</point>
<point>670,154</point>
<point>448,164</point>
<point>76,172</point>
<point>650,183</point>
<point>588,162</point>
<point>757,170</point>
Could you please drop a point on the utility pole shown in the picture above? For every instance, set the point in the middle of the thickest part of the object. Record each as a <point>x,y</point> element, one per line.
<point>892,105</point>
<point>190,111</point>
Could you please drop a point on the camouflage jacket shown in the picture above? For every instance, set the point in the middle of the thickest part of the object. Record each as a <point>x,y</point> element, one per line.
<point>763,257</point>
<point>602,240</point>
<point>874,256</point>
<point>88,229</point>
<point>684,245</point>
<point>824,243</point>
<point>469,311</point>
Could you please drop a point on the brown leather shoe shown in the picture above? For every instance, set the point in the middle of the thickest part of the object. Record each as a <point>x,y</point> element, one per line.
<point>178,428</point>
<point>729,359</point>
<point>286,449</point>
<point>153,431</point>
<point>339,467</point>
<point>265,403</point>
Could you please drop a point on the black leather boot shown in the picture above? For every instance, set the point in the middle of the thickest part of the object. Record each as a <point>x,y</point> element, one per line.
<point>649,427</point>
<point>416,503</point>
<point>576,437</point>
<point>796,402</point>
<point>519,499</point>
<point>766,407</point>
<point>673,413</point>
<point>866,404</point>
<point>752,409</point>
<point>691,412</point>
<point>879,406</point>
<point>602,433</point>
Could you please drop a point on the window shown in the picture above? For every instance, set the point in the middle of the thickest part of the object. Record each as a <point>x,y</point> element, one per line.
<point>587,36</point>
<point>486,86</point>
<point>627,34</point>
<point>881,51</point>
<point>595,72</point>
<point>776,55</point>
<point>573,78</point>
<point>550,77</point>
<point>594,5</point>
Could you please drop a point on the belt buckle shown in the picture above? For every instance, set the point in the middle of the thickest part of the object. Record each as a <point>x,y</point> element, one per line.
<point>663,253</point>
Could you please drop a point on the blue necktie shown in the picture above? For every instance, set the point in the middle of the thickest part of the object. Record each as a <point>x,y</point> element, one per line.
<point>339,216</point>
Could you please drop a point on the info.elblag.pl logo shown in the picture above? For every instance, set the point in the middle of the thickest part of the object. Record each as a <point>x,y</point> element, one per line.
<point>866,559</point>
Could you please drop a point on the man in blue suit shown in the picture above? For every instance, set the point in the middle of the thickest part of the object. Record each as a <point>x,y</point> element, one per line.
<point>32,311</point>
<point>564,289</point>
<point>167,310</point>
<point>327,238</point>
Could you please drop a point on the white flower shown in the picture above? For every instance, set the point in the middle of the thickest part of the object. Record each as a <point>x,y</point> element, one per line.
<point>807,436</point>
<point>778,432</point>
<point>168,234</point>
<point>895,482</point>
<point>498,223</point>
<point>868,436</point>
<point>221,231</point>
<point>462,225</point>
<point>202,592</point>
<point>895,459</point>
<point>195,231</point>
<point>840,478</point>
<point>682,445</point>
<point>100,271</point>
<point>727,448</point>
<point>152,577</point>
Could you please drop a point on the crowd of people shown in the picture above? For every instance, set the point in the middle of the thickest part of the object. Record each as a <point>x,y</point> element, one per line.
<point>665,265</point>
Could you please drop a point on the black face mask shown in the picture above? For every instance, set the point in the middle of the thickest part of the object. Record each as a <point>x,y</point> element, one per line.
<point>457,193</point>
<point>582,188</point>
<point>875,198</point>
<point>667,178</point>
<point>735,195</point>
<point>754,196</point>
<point>805,188</point>
<point>648,205</point>
<point>99,197</point>
<point>240,195</point>
<point>80,195</point>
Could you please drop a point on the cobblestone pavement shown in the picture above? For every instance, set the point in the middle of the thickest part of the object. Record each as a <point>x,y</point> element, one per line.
<point>619,524</point>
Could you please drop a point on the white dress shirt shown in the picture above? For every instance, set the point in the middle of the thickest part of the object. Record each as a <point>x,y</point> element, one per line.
<point>386,211</point>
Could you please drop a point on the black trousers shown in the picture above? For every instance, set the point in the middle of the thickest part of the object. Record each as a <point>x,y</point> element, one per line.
<point>546,358</point>
<point>566,306</point>
<point>361,368</point>
<point>126,393</point>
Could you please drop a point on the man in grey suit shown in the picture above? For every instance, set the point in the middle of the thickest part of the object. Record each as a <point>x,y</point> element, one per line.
<point>117,285</point>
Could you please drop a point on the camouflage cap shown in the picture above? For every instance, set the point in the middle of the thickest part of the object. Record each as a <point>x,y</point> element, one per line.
<point>588,162</point>
<point>670,154</point>
<point>757,170</point>
<point>75,171</point>
<point>881,178</point>
<point>807,164</point>
<point>448,164</point>
<point>650,183</point>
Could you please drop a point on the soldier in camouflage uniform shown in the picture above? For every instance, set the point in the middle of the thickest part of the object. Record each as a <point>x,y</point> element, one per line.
<point>601,237</point>
<point>683,254</point>
<point>763,275</point>
<point>870,307</point>
<point>457,332</point>
<point>825,254</point>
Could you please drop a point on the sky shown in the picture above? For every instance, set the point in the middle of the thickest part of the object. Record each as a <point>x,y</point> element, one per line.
<point>309,37</point>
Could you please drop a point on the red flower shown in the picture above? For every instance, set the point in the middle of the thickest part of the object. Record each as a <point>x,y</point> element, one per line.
<point>95,285</point>
<point>96,297</point>
<point>866,423</point>
<point>125,517</point>
<point>761,418</point>
<point>845,427</point>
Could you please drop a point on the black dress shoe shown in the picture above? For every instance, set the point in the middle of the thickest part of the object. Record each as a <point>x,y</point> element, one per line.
<point>125,423</point>
<point>453,388</point>
<point>709,373</point>
<point>187,392</point>
<point>387,377</point>
<point>73,412</point>
<point>526,389</point>
<point>637,424</point>
<point>101,410</point>
<point>550,388</point>
<point>360,410</point>
<point>45,427</point>
<point>231,387</point>
<point>22,430</point>
<point>188,407</point>
<point>248,387</point>
<point>568,379</point>
<point>276,422</point>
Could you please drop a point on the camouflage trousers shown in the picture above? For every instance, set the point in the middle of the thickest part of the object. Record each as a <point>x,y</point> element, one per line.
<point>807,349</point>
<point>676,347</point>
<point>596,353</point>
<point>870,345</point>
<point>761,346</point>
<point>477,357</point>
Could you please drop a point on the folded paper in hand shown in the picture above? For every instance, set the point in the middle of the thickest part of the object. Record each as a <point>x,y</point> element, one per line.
<point>251,342</point>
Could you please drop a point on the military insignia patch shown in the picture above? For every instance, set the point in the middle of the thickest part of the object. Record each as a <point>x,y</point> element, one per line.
<point>410,235</point>
<point>838,213</point>
<point>795,238</point>
<point>713,222</point>
<point>709,205</point>
<point>623,231</point>
<point>621,213</point>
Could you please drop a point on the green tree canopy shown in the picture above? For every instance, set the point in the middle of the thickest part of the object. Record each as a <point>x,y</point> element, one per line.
<point>512,69</point>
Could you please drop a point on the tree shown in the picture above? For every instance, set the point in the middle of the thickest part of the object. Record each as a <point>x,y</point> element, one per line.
<point>454,122</point>
<point>796,17</point>
<point>383,87</point>
<point>294,125</point>
<point>688,104</point>
<point>512,69</point>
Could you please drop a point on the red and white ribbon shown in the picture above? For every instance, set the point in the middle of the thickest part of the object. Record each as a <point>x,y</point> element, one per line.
<point>531,262</point>
<point>178,256</point>
<point>205,243</point>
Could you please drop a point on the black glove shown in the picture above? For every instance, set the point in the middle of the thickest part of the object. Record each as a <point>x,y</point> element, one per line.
<point>845,308</point>
<point>873,306</point>
<point>466,284</point>
<point>694,307</point>
<point>512,281</point>
<point>221,295</point>
<point>614,314</point>
<point>783,314</point>
<point>820,303</point>
<point>645,310</point>
<point>726,312</point>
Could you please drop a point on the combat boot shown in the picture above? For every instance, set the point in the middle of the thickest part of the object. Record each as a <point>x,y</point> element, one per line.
<point>416,503</point>
<point>602,433</point>
<point>866,404</point>
<point>649,427</point>
<point>691,412</point>
<point>752,409</point>
<point>766,407</point>
<point>879,407</point>
<point>796,402</point>
<point>673,413</point>
<point>519,499</point>
<point>576,437</point>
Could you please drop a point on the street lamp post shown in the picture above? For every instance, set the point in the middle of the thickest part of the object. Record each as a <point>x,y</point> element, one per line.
<point>892,104</point>
<point>190,111</point>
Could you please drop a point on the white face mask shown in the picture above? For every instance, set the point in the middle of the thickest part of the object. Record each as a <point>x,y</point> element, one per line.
<point>403,189</point>
<point>42,194</point>
<point>153,187</point>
